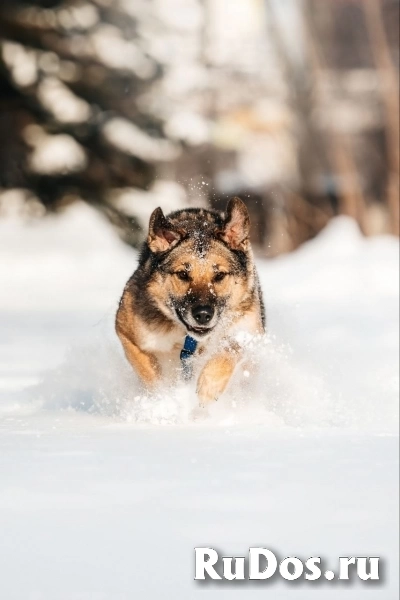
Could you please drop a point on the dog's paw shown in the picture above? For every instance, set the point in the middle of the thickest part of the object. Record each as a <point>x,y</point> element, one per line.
<point>209,389</point>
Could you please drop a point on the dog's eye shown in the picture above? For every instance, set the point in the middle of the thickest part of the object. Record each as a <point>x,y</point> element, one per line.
<point>183,275</point>
<point>220,276</point>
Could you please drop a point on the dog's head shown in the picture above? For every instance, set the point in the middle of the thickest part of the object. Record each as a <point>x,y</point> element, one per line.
<point>201,265</point>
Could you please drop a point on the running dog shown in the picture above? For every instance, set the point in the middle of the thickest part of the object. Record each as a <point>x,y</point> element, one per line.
<point>193,295</point>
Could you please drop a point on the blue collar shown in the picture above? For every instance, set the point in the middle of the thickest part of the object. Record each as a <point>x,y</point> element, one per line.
<point>189,348</point>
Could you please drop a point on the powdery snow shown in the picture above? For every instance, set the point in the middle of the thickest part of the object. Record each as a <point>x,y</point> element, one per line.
<point>105,492</point>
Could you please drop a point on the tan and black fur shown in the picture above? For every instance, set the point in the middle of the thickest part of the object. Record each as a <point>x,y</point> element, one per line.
<point>196,276</point>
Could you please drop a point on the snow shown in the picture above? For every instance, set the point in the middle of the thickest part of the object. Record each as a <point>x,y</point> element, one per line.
<point>53,154</point>
<point>22,63</point>
<point>109,46</point>
<point>140,204</point>
<point>104,493</point>
<point>131,139</point>
<point>58,99</point>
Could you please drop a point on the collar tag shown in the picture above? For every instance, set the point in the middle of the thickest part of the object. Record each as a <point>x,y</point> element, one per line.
<point>189,348</point>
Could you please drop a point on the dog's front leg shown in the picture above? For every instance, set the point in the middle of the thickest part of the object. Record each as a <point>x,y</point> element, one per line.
<point>215,376</point>
<point>144,363</point>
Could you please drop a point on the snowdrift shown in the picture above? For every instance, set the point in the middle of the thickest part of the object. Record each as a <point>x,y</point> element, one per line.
<point>98,501</point>
<point>329,358</point>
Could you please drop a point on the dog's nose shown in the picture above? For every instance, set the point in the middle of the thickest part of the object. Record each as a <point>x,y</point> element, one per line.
<point>202,314</point>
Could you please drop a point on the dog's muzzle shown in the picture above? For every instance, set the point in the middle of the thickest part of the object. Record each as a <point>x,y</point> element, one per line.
<point>199,319</point>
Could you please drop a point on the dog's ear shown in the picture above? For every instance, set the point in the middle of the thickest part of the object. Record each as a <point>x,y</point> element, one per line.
<point>162,236</point>
<point>237,225</point>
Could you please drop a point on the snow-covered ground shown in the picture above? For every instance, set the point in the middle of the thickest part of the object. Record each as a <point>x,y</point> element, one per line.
<point>104,493</point>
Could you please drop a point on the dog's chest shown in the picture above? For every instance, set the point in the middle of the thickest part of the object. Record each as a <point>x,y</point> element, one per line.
<point>156,342</point>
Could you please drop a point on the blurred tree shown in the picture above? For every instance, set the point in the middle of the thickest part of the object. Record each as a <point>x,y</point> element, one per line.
<point>355,50</point>
<point>100,97</point>
<point>71,124</point>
